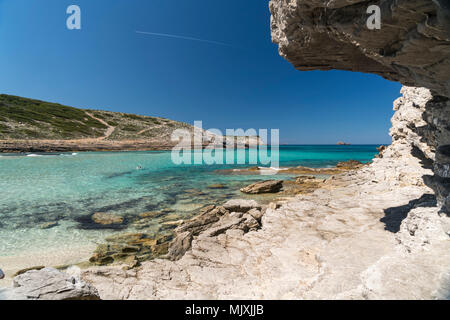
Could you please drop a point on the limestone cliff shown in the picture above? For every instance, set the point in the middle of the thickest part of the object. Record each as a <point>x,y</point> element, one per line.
<point>412,46</point>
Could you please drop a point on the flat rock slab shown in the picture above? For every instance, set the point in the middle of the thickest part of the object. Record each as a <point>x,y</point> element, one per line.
<point>241,205</point>
<point>268,186</point>
<point>49,284</point>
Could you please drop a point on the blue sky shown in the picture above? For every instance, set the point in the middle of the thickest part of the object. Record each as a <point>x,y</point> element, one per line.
<point>243,84</point>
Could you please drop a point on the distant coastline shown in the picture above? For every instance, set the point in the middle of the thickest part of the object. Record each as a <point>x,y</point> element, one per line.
<point>29,125</point>
<point>51,146</point>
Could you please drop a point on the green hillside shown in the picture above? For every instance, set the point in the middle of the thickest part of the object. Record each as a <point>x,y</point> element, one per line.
<point>23,118</point>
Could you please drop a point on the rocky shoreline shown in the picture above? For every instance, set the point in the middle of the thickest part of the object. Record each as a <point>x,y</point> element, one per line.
<point>176,232</point>
<point>48,146</point>
<point>372,232</point>
<point>129,250</point>
<point>51,146</point>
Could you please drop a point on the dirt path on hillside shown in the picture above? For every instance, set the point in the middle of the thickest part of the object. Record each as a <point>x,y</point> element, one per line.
<point>108,132</point>
<point>142,131</point>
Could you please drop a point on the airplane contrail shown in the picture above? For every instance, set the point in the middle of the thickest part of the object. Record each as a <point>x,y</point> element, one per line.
<point>183,37</point>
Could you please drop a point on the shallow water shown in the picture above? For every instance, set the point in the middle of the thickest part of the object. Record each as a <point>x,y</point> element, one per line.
<point>69,188</point>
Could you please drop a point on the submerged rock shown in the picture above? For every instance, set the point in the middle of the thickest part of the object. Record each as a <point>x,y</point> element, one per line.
<point>171,217</point>
<point>171,224</point>
<point>48,225</point>
<point>197,192</point>
<point>268,186</point>
<point>217,186</point>
<point>101,260</point>
<point>127,247</point>
<point>151,214</point>
<point>142,224</point>
<point>105,218</point>
<point>49,284</point>
<point>28,269</point>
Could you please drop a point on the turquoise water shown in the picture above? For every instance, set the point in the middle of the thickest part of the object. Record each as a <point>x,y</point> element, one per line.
<point>69,188</point>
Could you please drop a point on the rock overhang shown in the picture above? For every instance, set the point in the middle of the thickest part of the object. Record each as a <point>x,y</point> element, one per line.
<point>412,46</point>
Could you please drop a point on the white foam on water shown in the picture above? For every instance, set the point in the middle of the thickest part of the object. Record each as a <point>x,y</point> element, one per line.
<point>272,168</point>
<point>68,155</point>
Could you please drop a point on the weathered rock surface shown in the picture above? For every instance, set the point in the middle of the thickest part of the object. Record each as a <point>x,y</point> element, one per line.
<point>422,121</point>
<point>49,284</point>
<point>241,205</point>
<point>208,216</point>
<point>301,185</point>
<point>131,248</point>
<point>213,221</point>
<point>350,164</point>
<point>268,186</point>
